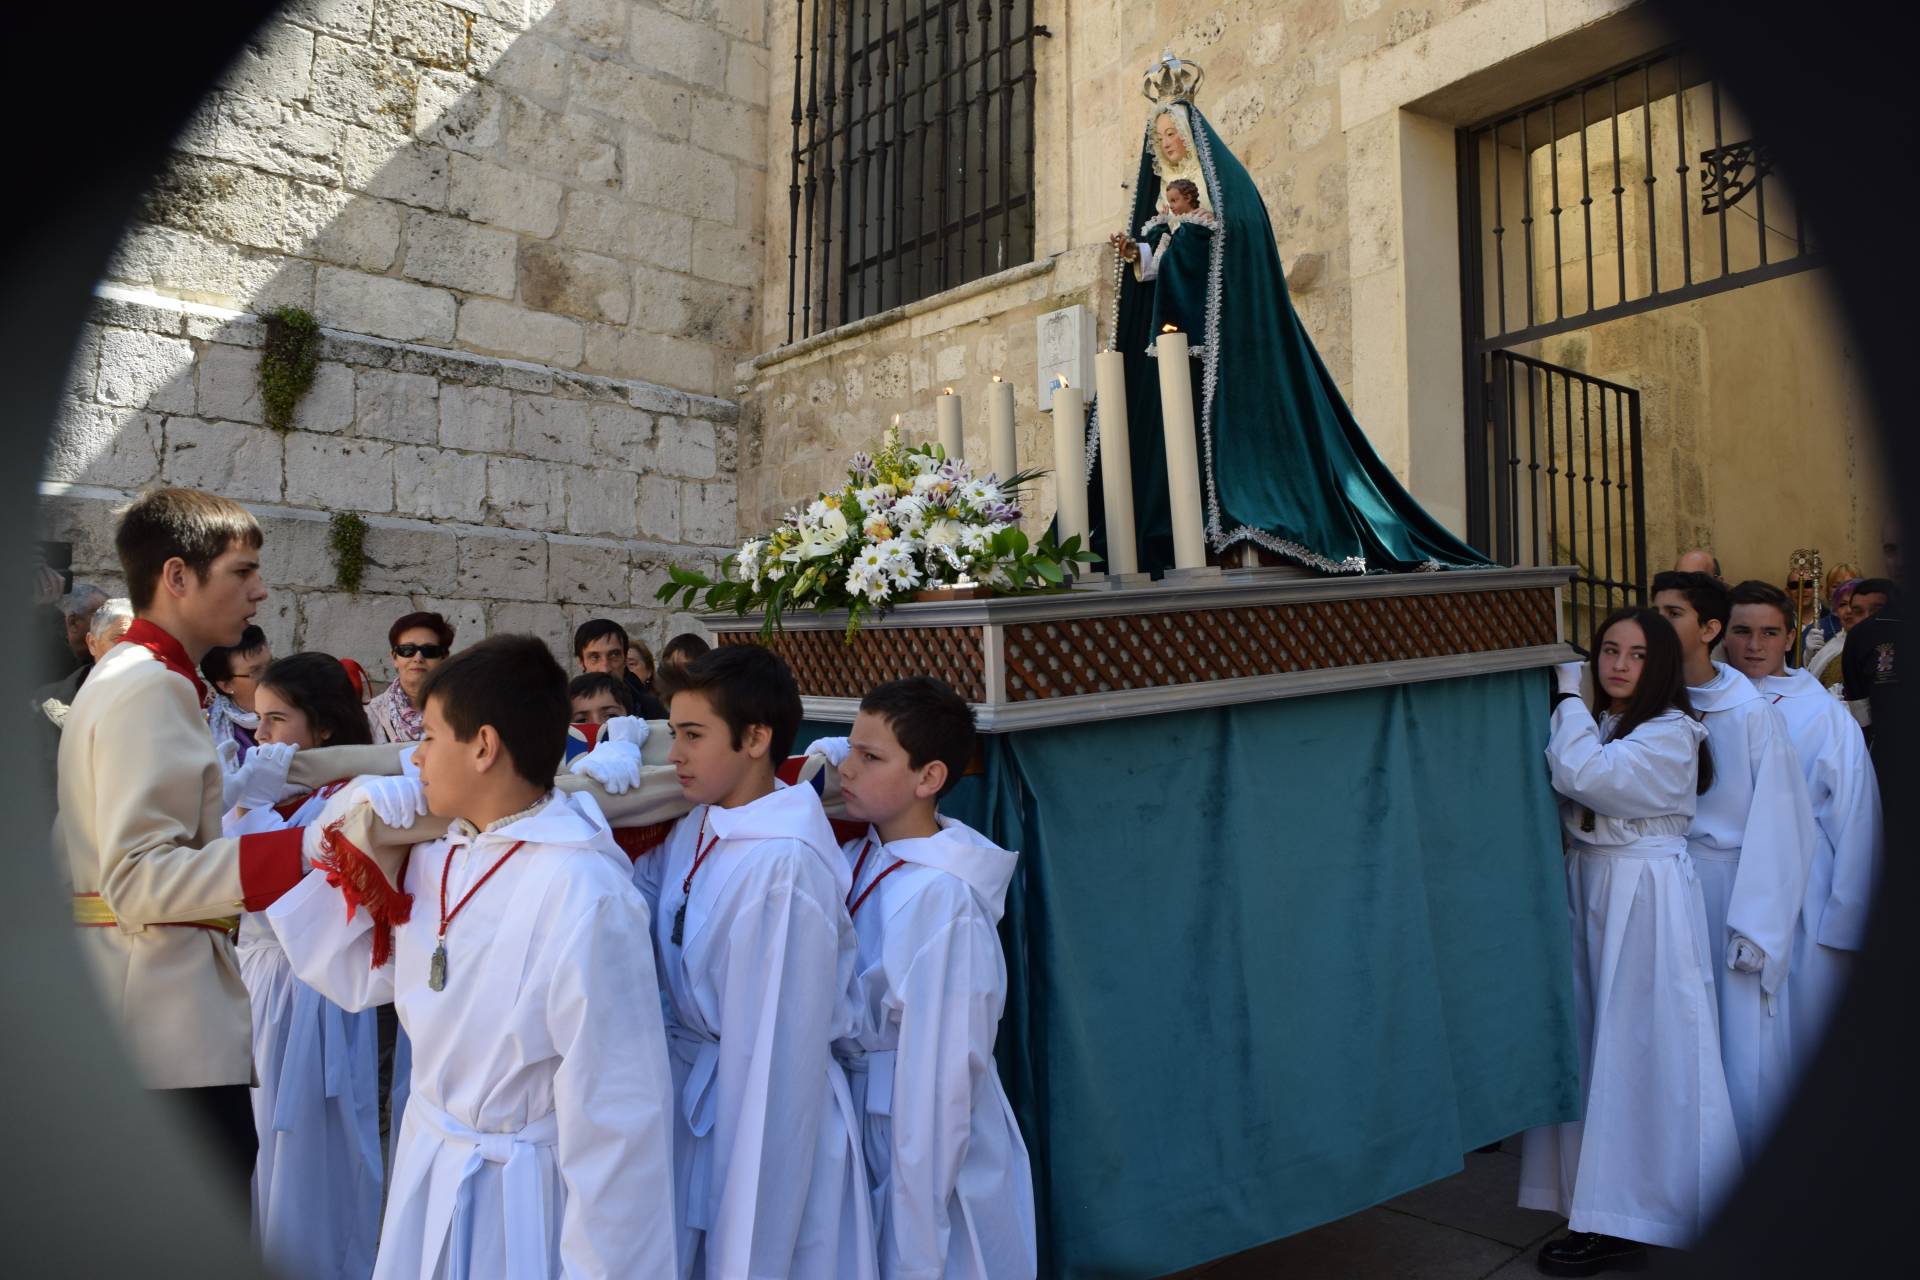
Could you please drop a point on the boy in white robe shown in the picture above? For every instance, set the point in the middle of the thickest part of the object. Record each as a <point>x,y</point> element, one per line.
<point>952,1186</point>
<point>1845,795</point>
<point>1752,846</point>
<point>756,955</point>
<point>536,1137</point>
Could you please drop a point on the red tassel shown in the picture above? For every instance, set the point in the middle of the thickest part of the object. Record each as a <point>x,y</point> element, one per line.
<point>363,884</point>
<point>637,842</point>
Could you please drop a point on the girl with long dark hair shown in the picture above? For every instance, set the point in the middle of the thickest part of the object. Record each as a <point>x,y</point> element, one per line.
<point>316,1185</point>
<point>1657,1147</point>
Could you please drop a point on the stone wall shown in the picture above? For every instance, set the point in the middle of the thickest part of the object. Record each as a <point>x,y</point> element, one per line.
<point>507,495</point>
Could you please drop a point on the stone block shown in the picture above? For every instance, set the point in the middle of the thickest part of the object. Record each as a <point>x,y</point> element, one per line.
<point>383,165</point>
<point>228,458</point>
<point>685,447</point>
<point>83,518</point>
<point>364,234</point>
<point>743,19</point>
<point>397,406</point>
<point>337,473</point>
<point>552,429</point>
<point>296,552</point>
<point>440,483</point>
<point>622,436</point>
<point>709,512</point>
<point>747,72</point>
<point>452,110</point>
<point>533,68</point>
<point>654,398</point>
<point>146,371</point>
<point>574,147</point>
<point>658,511</point>
<point>278,137</point>
<point>691,51</point>
<point>478,418</point>
<point>328,404</point>
<point>579,284</point>
<point>424,31</point>
<point>83,369</point>
<point>694,309</point>
<point>192,266</point>
<point>408,556</point>
<point>384,307</point>
<point>727,254</point>
<point>486,325</point>
<point>586,570</point>
<point>488,193</point>
<point>501,564</point>
<point>93,444</point>
<point>230,384</point>
<point>673,175</point>
<point>115,311</point>
<point>658,358</point>
<point>626,96</point>
<point>609,223</point>
<point>545,622</point>
<point>352,626</point>
<point>601,500</point>
<point>468,618</point>
<point>207,325</point>
<point>526,494</point>
<point>730,128</point>
<point>347,19</point>
<point>363,85</point>
<point>460,255</point>
<point>275,63</point>
<point>600,23</point>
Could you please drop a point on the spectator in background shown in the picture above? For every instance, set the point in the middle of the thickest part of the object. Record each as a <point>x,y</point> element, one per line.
<point>640,663</point>
<point>1824,666</point>
<point>1870,668</point>
<point>1700,560</point>
<point>680,650</point>
<point>109,622</point>
<point>600,646</point>
<point>418,642</point>
<point>77,609</point>
<point>598,697</point>
<point>234,673</point>
<point>1827,626</point>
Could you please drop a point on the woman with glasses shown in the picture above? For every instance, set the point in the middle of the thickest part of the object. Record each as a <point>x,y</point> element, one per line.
<point>419,642</point>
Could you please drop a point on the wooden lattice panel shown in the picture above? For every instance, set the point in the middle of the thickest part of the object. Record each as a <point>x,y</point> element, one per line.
<point>826,666</point>
<point>1194,646</point>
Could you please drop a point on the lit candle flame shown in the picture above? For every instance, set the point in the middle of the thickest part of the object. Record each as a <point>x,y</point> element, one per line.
<point>1060,382</point>
<point>1169,328</point>
<point>996,377</point>
<point>947,392</point>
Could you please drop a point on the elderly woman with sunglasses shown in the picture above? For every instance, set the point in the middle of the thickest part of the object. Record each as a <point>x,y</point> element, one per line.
<point>419,643</point>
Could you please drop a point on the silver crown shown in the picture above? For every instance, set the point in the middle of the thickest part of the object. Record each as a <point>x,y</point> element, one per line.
<point>1171,79</point>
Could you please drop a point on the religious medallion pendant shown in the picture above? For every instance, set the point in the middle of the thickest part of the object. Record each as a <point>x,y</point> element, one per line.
<point>437,968</point>
<point>679,923</point>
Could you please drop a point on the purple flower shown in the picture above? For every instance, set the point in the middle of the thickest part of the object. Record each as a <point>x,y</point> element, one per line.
<point>862,465</point>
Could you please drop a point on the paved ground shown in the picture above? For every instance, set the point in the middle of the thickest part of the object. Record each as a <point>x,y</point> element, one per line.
<point>1465,1228</point>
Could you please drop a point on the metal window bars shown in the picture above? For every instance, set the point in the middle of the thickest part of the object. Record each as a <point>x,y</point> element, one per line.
<point>911,154</point>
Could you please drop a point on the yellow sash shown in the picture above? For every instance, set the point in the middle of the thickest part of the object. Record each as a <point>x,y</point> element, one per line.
<point>90,911</point>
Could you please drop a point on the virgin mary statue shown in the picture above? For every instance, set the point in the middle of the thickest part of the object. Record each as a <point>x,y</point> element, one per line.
<point>1284,466</point>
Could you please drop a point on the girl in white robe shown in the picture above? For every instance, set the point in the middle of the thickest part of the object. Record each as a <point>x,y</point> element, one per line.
<point>536,1137</point>
<point>767,1164</point>
<point>1656,1148</point>
<point>1845,797</point>
<point>316,1104</point>
<point>953,1188</point>
<point>1752,842</point>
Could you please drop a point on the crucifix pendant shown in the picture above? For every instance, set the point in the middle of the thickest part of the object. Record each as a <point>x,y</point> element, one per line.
<point>679,923</point>
<point>437,968</point>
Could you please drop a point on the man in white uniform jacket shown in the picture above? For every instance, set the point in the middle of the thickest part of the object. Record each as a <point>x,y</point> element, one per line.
<point>1845,796</point>
<point>536,1140</point>
<point>756,956</point>
<point>952,1186</point>
<point>1752,846</point>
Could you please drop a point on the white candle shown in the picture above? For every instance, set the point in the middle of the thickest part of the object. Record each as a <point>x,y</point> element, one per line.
<point>1110,390</point>
<point>947,411</point>
<point>1003,452</point>
<point>1069,457</point>
<point>1183,462</point>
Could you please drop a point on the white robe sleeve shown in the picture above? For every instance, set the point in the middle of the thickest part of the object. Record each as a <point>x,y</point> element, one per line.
<point>1847,807</point>
<point>1147,265</point>
<point>1652,771</point>
<point>950,998</point>
<point>612,1095</point>
<point>778,988</point>
<point>1776,848</point>
<point>329,952</point>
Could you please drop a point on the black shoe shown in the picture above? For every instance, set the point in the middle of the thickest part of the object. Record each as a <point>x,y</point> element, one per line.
<point>1586,1253</point>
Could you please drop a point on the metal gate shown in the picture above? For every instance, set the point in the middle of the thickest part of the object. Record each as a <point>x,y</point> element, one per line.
<point>1558,457</point>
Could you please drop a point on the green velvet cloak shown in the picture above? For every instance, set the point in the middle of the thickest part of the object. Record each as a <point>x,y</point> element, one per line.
<point>1283,463</point>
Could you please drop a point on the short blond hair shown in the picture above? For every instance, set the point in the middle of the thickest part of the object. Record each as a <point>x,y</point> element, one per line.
<point>190,524</point>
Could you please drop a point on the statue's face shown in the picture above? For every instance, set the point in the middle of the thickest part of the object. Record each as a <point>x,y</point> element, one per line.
<point>1177,201</point>
<point>1173,146</point>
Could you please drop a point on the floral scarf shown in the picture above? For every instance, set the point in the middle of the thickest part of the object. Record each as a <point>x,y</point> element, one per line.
<point>393,716</point>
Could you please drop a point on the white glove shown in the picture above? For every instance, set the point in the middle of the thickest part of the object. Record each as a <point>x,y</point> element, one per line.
<point>834,749</point>
<point>229,752</point>
<point>1567,677</point>
<point>1743,956</point>
<point>398,801</point>
<point>626,729</point>
<point>262,776</point>
<point>615,765</point>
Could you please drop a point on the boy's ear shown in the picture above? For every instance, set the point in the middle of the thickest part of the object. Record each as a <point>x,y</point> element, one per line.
<point>932,778</point>
<point>1711,629</point>
<point>486,748</point>
<point>757,741</point>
